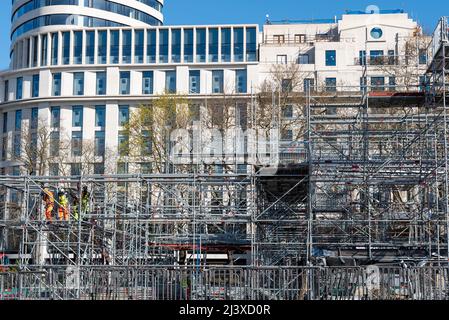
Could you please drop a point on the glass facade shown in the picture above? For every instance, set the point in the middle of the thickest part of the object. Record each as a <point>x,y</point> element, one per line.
<point>114,46</point>
<point>77,116</point>
<point>213,45</point>
<point>170,81</point>
<point>176,46</point>
<point>194,81</point>
<point>200,45</point>
<point>55,117</point>
<point>126,46</point>
<point>35,86</point>
<point>19,88</point>
<point>188,45</point>
<point>100,143</point>
<point>331,58</point>
<point>100,116</point>
<point>78,47</point>
<point>163,46</point>
<point>138,46</point>
<point>125,82</point>
<point>102,47</point>
<point>240,81</point>
<point>56,84</point>
<point>238,45</point>
<point>226,45</point>
<point>147,82</point>
<point>54,48</point>
<point>217,81</point>
<point>65,48</point>
<point>101,83</point>
<point>123,114</point>
<point>90,47</point>
<point>151,46</point>
<point>78,84</point>
<point>77,144</point>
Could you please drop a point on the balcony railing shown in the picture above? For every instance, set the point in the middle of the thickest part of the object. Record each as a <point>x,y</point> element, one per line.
<point>291,39</point>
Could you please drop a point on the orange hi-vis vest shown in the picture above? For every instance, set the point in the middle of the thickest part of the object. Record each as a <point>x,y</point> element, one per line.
<point>49,197</point>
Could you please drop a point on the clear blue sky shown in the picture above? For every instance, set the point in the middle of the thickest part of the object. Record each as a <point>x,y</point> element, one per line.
<point>426,12</point>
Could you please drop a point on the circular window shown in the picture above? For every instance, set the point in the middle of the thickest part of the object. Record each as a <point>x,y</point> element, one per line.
<point>376,33</point>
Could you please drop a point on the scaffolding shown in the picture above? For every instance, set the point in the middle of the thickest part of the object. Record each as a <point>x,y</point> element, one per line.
<point>356,209</point>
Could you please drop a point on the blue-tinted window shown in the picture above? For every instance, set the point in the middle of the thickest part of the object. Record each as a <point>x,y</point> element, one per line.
<point>376,33</point>
<point>123,115</point>
<point>251,44</point>
<point>151,46</point>
<point>331,84</point>
<point>422,56</point>
<point>362,57</point>
<point>77,116</point>
<point>238,44</point>
<point>376,57</point>
<point>200,45</point>
<point>147,82</point>
<point>44,50</point>
<point>34,118</point>
<point>6,91</point>
<point>392,83</point>
<point>126,46</point>
<point>35,86</point>
<point>54,48</point>
<point>163,46</point>
<point>19,88</point>
<point>101,83</point>
<point>123,143</point>
<point>78,84</point>
<point>241,81</point>
<point>114,47</point>
<point>226,45</point>
<point>188,45</point>
<point>331,58</point>
<point>5,122</point>
<point>194,81</point>
<point>303,59</point>
<point>78,47</point>
<point>90,47</point>
<point>377,83</point>
<point>170,81</point>
<point>125,82</point>
<point>56,84</point>
<point>18,120</point>
<point>102,47</point>
<point>75,168</point>
<point>138,46</point>
<point>54,143</point>
<point>176,45</point>
<point>77,144</point>
<point>100,143</point>
<point>66,48</point>
<point>213,45</point>
<point>17,146</point>
<point>217,81</point>
<point>55,117</point>
<point>363,84</point>
<point>100,116</point>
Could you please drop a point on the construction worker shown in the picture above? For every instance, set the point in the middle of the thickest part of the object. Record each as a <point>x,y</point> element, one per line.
<point>63,212</point>
<point>49,199</point>
<point>85,198</point>
<point>75,205</point>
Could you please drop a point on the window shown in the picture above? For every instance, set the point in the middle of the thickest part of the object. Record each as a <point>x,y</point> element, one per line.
<point>100,143</point>
<point>151,46</point>
<point>362,57</point>
<point>77,144</point>
<point>101,83</point>
<point>5,122</point>
<point>66,48</point>
<point>122,168</point>
<point>53,169</point>
<point>54,48</point>
<point>123,115</point>
<point>331,84</point>
<point>123,144</point>
<point>251,44</point>
<point>200,45</point>
<point>18,120</point>
<point>331,58</point>
<point>287,135</point>
<point>309,84</point>
<point>98,168</point>
<point>125,82</point>
<point>35,43</point>
<point>300,38</point>
<point>75,169</point>
<point>287,85</point>
<point>363,84</point>
<point>147,82</point>
<point>78,84</point>
<point>147,143</point>
<point>424,83</point>
<point>281,59</point>
<point>35,86</point>
<point>138,46</point>
<point>4,148</point>
<point>391,58</point>
<point>54,144</point>
<point>77,116</point>
<point>377,83</point>
<point>100,116</point>
<point>213,45</point>
<point>376,33</point>
<point>194,81</point>
<point>56,84</point>
<point>34,118</point>
<point>170,81</point>
<point>422,56</point>
<point>217,81</point>
<point>279,38</point>
<point>376,57</point>
<point>126,46</point>
<point>44,47</point>
<point>241,81</point>
<point>114,46</point>
<point>90,47</point>
<point>19,88</point>
<point>226,44</point>
<point>6,92</point>
<point>78,47</point>
<point>176,46</point>
<point>288,112</point>
<point>146,168</point>
<point>55,117</point>
<point>303,59</point>
<point>102,47</point>
<point>238,44</point>
<point>163,46</point>
<point>188,45</point>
